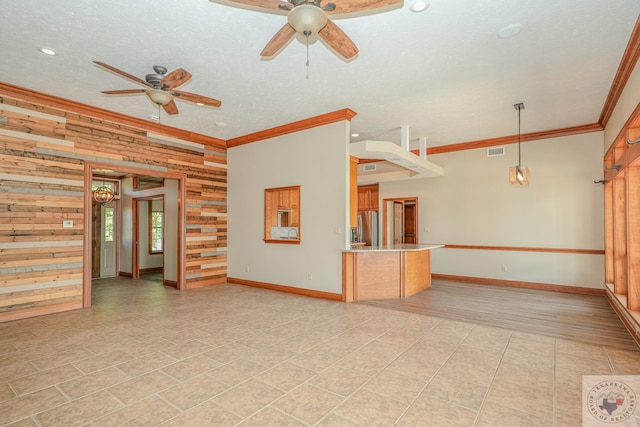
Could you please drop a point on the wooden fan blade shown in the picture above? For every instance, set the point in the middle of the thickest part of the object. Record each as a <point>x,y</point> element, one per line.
<point>123,91</point>
<point>123,74</point>
<point>338,40</point>
<point>187,96</point>
<point>280,40</point>
<point>176,78</point>
<point>271,5</point>
<point>171,108</point>
<point>342,6</point>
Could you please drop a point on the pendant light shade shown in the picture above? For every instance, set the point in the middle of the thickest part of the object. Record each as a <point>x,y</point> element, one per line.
<point>103,194</point>
<point>307,18</point>
<point>519,175</point>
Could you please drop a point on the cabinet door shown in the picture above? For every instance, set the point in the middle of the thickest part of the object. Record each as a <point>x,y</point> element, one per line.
<point>294,200</point>
<point>373,198</point>
<point>363,199</point>
<point>284,199</point>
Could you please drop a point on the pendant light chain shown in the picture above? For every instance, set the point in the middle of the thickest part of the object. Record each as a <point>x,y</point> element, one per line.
<point>519,155</point>
<point>307,33</point>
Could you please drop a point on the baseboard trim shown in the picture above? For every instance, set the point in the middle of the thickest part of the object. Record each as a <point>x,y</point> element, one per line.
<point>171,283</point>
<point>632,326</point>
<point>8,316</point>
<point>151,270</point>
<point>287,289</point>
<point>125,274</point>
<point>517,284</point>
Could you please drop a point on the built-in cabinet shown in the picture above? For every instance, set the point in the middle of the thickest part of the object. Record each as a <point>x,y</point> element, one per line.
<point>622,224</point>
<point>368,197</point>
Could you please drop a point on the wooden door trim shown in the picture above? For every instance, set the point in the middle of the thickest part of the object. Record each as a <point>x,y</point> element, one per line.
<point>86,253</point>
<point>384,216</point>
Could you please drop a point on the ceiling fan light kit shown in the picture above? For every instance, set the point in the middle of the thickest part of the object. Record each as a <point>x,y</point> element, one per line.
<point>159,96</point>
<point>307,17</point>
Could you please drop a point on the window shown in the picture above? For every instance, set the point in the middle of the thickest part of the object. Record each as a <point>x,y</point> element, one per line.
<point>156,224</point>
<point>108,224</point>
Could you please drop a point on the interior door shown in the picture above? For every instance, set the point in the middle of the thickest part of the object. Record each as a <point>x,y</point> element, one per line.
<point>108,233</point>
<point>398,222</point>
<point>410,223</point>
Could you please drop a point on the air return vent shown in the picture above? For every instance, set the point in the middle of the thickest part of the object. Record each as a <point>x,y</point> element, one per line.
<point>495,151</point>
<point>368,167</point>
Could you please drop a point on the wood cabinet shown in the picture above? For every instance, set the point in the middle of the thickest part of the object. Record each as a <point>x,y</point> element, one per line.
<point>368,197</point>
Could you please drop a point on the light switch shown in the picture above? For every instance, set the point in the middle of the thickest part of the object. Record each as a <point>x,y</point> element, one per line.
<point>67,223</point>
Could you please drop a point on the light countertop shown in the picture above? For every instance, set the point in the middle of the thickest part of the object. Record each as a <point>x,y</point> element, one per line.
<point>406,247</point>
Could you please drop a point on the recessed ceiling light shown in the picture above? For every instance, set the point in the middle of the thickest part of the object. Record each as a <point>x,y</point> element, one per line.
<point>355,135</point>
<point>48,51</point>
<point>420,6</point>
<point>510,31</point>
<point>221,124</point>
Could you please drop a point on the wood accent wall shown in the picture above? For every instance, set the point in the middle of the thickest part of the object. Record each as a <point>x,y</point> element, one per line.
<point>43,151</point>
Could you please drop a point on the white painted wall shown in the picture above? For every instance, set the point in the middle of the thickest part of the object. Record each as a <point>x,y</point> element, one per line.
<point>316,159</point>
<point>474,204</point>
<point>628,101</point>
<point>171,233</point>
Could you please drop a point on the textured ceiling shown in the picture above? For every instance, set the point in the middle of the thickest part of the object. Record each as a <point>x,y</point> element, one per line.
<point>443,72</point>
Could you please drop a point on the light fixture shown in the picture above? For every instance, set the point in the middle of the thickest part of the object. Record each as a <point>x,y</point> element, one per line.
<point>48,51</point>
<point>519,175</point>
<point>510,31</point>
<point>159,96</point>
<point>420,6</point>
<point>307,18</point>
<point>103,194</point>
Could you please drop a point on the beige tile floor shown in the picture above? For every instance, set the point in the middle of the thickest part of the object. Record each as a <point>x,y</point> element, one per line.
<point>230,355</point>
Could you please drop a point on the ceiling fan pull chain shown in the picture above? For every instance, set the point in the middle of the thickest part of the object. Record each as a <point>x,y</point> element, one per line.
<point>159,113</point>
<point>307,33</point>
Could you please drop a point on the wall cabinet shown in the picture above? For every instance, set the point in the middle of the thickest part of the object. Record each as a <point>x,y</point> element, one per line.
<point>368,197</point>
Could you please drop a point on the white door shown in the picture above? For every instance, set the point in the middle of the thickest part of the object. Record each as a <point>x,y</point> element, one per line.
<point>108,233</point>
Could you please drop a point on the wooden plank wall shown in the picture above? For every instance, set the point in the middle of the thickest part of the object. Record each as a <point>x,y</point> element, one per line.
<point>42,156</point>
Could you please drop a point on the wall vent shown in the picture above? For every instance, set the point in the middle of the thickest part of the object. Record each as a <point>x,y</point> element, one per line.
<point>368,167</point>
<point>495,151</point>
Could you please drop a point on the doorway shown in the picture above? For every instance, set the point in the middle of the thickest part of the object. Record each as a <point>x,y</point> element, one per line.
<point>101,236</point>
<point>400,221</point>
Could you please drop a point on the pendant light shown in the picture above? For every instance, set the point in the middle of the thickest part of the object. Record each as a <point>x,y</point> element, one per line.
<point>103,194</point>
<point>519,175</point>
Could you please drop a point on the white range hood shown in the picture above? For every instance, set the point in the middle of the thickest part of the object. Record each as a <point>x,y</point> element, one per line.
<point>416,167</point>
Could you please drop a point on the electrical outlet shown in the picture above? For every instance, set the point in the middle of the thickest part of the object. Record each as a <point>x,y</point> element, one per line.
<point>310,276</point>
<point>67,223</point>
<point>504,268</point>
<point>247,268</point>
<point>337,230</point>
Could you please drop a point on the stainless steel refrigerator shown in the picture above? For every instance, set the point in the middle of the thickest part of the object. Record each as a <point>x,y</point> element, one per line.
<point>368,227</point>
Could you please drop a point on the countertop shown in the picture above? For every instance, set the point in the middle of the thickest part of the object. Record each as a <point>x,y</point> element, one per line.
<point>406,247</point>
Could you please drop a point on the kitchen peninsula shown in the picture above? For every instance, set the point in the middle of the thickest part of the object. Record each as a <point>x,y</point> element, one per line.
<point>386,272</point>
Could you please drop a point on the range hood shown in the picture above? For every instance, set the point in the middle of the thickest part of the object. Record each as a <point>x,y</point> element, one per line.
<point>416,167</point>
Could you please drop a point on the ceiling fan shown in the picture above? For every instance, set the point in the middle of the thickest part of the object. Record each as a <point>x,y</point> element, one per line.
<point>308,18</point>
<point>161,87</point>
